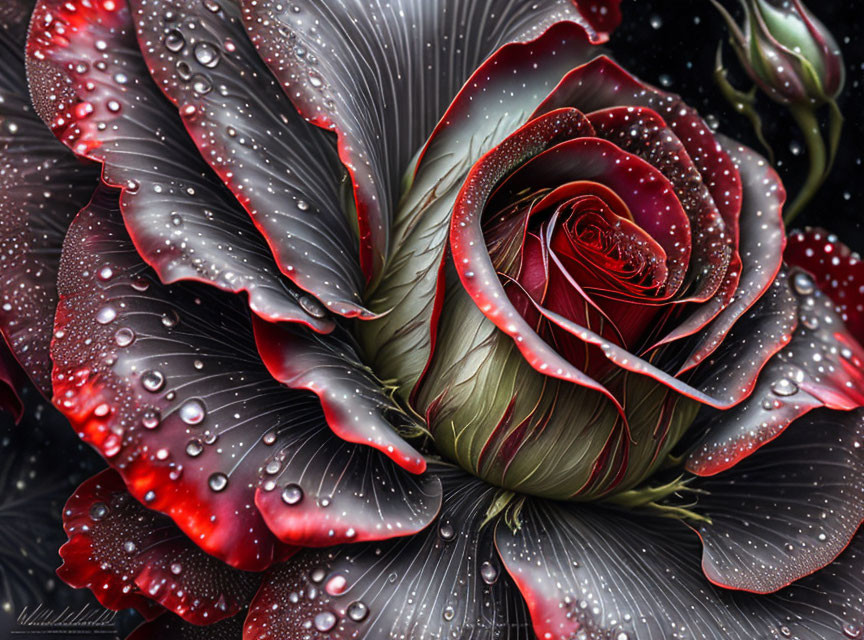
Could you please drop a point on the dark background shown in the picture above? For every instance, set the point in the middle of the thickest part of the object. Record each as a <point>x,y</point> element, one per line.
<point>672,44</point>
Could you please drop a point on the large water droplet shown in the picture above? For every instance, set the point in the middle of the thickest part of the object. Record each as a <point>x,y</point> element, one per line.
<point>201,84</point>
<point>292,494</point>
<point>194,448</point>
<point>784,387</point>
<point>150,418</point>
<point>124,337</point>
<point>336,585</point>
<point>449,613</point>
<point>312,307</point>
<point>152,380</point>
<point>489,573</point>
<point>170,319</point>
<point>357,611</point>
<point>217,481</point>
<point>174,41</point>
<point>193,412</point>
<point>851,631</point>
<point>207,54</point>
<point>803,284</point>
<point>446,531</point>
<point>105,315</point>
<point>325,621</point>
<point>98,511</point>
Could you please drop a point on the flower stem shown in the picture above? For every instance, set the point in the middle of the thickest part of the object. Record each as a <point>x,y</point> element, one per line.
<point>808,123</point>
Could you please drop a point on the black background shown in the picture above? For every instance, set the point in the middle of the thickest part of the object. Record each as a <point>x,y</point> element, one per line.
<point>672,44</point>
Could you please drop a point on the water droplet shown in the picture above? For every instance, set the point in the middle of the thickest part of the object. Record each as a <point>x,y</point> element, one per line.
<point>318,574</point>
<point>325,621</point>
<point>176,220</point>
<point>449,613</point>
<point>174,41</point>
<point>315,79</point>
<point>489,573</point>
<point>784,387</point>
<point>170,319</point>
<point>785,631</point>
<point>98,511</point>
<point>217,481</point>
<point>292,494</point>
<point>336,585</point>
<point>105,315</point>
<point>194,448</point>
<point>152,380</point>
<point>312,307</point>
<point>446,531</point>
<point>303,205</point>
<point>358,611</point>
<point>124,337</point>
<point>150,419</point>
<point>193,412</point>
<point>176,568</point>
<point>269,437</point>
<point>207,54</point>
<point>106,273</point>
<point>851,631</point>
<point>795,148</point>
<point>201,84</point>
<point>656,22</point>
<point>803,284</point>
<point>129,546</point>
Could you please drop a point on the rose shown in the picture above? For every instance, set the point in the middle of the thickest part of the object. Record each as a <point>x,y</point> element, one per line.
<point>290,453</point>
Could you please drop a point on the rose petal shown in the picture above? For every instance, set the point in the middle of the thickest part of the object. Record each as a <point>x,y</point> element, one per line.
<point>355,402</point>
<point>620,574</point>
<point>380,76</point>
<point>284,171</point>
<point>90,85</point>
<point>821,366</point>
<point>495,101</point>
<point>42,187</point>
<point>445,582</point>
<point>166,382</point>
<point>130,556</point>
<point>789,509</point>
<point>838,271</point>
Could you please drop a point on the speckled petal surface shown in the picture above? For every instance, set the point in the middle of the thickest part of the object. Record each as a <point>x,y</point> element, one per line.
<point>167,384</point>
<point>445,582</point>
<point>789,509</point>
<point>91,86</point>
<point>283,170</point>
<point>381,75</point>
<point>608,574</point>
<point>125,553</point>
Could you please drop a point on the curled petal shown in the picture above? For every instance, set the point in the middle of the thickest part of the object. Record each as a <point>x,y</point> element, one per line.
<point>605,573</point>
<point>821,366</point>
<point>166,382</point>
<point>409,293</point>
<point>283,170</point>
<point>789,509</point>
<point>130,556</point>
<point>470,256</point>
<point>91,86</point>
<point>356,404</point>
<point>380,76</point>
<point>446,581</point>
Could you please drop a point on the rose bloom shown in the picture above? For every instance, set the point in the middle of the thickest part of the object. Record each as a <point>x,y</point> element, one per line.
<point>420,319</point>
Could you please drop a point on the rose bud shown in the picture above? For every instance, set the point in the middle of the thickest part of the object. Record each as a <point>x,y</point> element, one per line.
<point>787,51</point>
